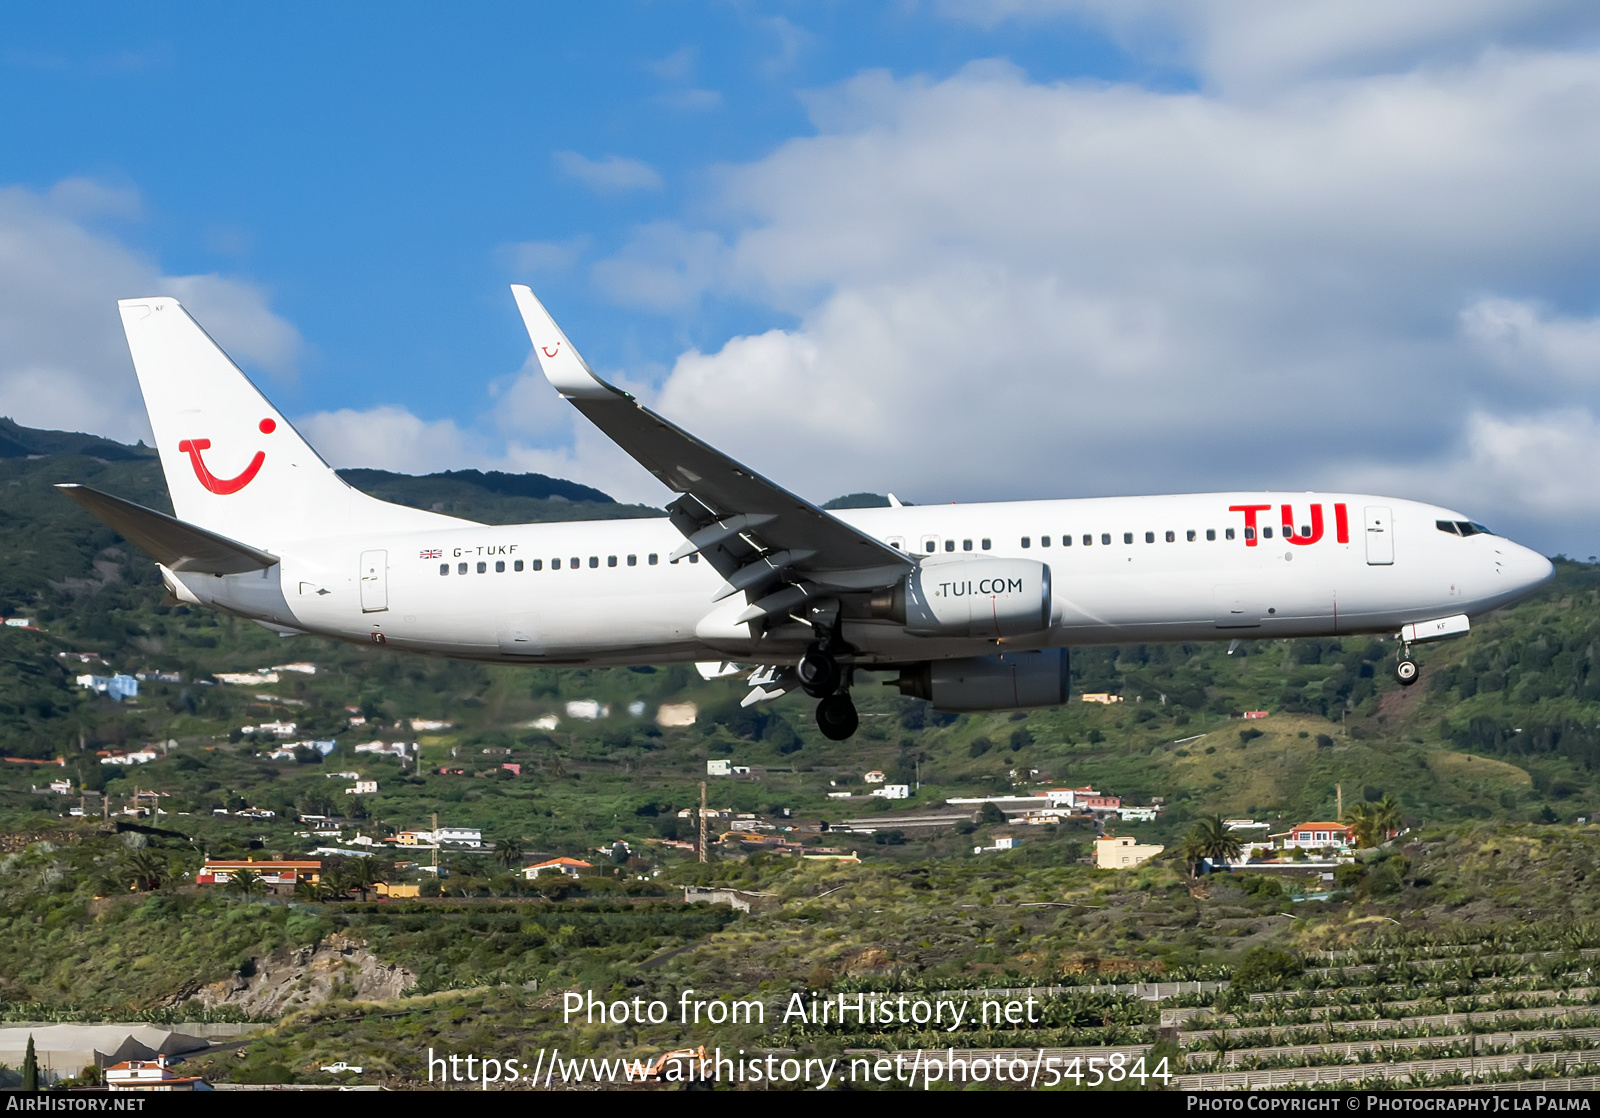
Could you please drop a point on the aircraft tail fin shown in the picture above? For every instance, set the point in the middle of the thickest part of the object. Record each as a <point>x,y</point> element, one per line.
<point>234,465</point>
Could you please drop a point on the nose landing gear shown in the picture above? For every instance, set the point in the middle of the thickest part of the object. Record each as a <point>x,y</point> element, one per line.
<point>1407,671</point>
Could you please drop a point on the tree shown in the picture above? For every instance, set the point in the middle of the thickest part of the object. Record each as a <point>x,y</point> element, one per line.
<point>1373,823</point>
<point>247,883</point>
<point>30,1067</point>
<point>507,852</point>
<point>1210,839</point>
<point>308,891</point>
<point>364,875</point>
<point>145,870</point>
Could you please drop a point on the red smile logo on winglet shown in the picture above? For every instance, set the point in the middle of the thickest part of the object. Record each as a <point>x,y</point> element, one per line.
<point>223,486</point>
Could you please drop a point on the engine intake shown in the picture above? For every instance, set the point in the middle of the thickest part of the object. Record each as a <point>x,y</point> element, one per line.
<point>1009,681</point>
<point>970,598</point>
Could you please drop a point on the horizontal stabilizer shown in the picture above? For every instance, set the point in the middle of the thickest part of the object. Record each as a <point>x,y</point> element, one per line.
<point>173,543</point>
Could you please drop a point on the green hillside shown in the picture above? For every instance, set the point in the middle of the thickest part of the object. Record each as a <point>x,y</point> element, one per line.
<point>1494,750</point>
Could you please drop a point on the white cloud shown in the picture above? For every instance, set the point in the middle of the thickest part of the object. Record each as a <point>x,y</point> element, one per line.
<point>63,361</point>
<point>615,174</point>
<point>390,438</point>
<point>1010,289</point>
<point>1263,44</point>
<point>528,258</point>
<point>1536,349</point>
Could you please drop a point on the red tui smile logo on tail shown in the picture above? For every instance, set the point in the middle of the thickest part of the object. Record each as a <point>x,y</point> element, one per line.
<point>223,486</point>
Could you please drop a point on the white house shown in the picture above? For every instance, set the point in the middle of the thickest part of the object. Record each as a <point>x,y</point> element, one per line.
<point>719,766</point>
<point>460,836</point>
<point>873,777</point>
<point>363,788</point>
<point>893,791</point>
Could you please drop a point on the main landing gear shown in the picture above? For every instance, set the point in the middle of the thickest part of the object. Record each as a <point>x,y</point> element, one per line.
<point>1407,671</point>
<point>821,677</point>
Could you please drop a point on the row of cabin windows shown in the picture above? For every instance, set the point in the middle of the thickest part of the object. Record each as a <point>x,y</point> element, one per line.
<point>930,544</point>
<point>555,564</point>
<point>1150,537</point>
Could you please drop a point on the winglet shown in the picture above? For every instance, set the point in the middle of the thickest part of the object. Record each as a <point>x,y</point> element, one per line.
<point>563,366</point>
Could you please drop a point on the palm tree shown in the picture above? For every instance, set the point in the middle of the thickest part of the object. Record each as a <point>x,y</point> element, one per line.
<point>1363,824</point>
<point>1389,817</point>
<point>1210,838</point>
<point>364,875</point>
<point>145,870</point>
<point>248,883</point>
<point>508,852</point>
<point>307,891</point>
<point>1373,823</point>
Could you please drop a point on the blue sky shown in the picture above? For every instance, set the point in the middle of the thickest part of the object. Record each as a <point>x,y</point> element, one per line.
<point>961,249</point>
<point>370,164</point>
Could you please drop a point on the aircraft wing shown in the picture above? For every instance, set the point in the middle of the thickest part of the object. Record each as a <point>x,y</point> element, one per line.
<point>175,544</point>
<point>763,539</point>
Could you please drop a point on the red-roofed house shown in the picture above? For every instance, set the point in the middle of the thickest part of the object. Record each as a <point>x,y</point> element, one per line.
<point>1315,836</point>
<point>569,866</point>
<point>150,1075</point>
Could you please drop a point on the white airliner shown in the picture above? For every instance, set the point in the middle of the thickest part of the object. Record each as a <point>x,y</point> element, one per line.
<point>974,606</point>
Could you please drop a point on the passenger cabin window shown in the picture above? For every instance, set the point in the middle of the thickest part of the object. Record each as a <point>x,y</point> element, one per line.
<point>1227,532</point>
<point>555,564</point>
<point>654,559</point>
<point>517,565</point>
<point>1105,538</point>
<point>575,564</point>
<point>482,566</point>
<point>1266,533</point>
<point>444,568</point>
<point>930,544</point>
<point>1044,541</point>
<point>594,560</point>
<point>1211,534</point>
<point>611,560</point>
<point>1088,540</point>
<point>538,564</point>
<point>966,545</point>
<point>986,544</point>
<point>1190,534</point>
<point>695,558</point>
<point>949,545</point>
<point>461,568</point>
<point>1066,541</point>
<point>1127,537</point>
<point>1249,533</point>
<point>499,566</point>
<point>1172,537</point>
<point>633,560</point>
<point>1027,541</point>
<point>1149,537</point>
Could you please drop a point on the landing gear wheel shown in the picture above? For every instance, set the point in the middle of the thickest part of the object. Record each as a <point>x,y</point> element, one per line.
<point>837,718</point>
<point>819,674</point>
<point>1407,671</point>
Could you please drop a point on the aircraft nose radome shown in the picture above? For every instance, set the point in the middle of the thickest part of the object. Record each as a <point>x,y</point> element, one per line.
<point>1530,568</point>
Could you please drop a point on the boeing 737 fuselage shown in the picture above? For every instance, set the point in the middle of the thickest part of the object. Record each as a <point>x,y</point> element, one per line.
<point>974,606</point>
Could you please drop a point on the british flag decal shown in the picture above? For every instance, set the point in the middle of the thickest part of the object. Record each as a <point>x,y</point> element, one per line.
<point>435,553</point>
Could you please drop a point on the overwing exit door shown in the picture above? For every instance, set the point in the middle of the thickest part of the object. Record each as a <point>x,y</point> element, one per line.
<point>1380,536</point>
<point>374,581</point>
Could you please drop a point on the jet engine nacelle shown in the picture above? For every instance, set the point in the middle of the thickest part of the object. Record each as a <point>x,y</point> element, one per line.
<point>970,598</point>
<point>1009,681</point>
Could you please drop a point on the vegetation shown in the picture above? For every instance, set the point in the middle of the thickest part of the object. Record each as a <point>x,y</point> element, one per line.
<point>1468,917</point>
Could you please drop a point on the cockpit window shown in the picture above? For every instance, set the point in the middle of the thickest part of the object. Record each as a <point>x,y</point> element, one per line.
<point>1462,528</point>
<point>1447,526</point>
